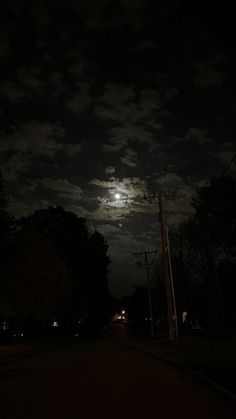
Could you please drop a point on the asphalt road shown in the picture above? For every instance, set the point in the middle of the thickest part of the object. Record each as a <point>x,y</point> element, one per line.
<point>102,379</point>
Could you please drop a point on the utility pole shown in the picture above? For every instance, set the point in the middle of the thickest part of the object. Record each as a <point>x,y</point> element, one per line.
<point>147,264</point>
<point>172,285</point>
<point>166,263</point>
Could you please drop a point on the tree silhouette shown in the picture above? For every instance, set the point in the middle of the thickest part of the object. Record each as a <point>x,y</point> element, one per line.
<point>39,281</point>
<point>6,223</point>
<point>84,253</point>
<point>215,215</point>
<point>6,248</point>
<point>204,250</point>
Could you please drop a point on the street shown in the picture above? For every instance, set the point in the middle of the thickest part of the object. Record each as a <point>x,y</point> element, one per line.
<point>100,378</point>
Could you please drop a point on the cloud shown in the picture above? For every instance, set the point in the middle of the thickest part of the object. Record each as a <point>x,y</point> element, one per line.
<point>208,75</point>
<point>78,67</point>
<point>199,135</point>
<point>227,144</point>
<point>11,91</point>
<point>178,193</point>
<point>5,49</point>
<point>108,229</point>
<point>172,182</point>
<point>120,136</point>
<point>102,213</point>
<point>134,115</point>
<point>56,84</point>
<point>130,158</point>
<point>109,209</point>
<point>116,95</point>
<point>13,165</point>
<point>110,170</point>
<point>100,15</point>
<point>131,190</point>
<point>129,187</point>
<point>81,100</point>
<point>209,78</point>
<point>171,93</point>
<point>30,78</point>
<point>116,143</point>
<point>19,209</point>
<point>25,140</point>
<point>121,103</point>
<point>33,137</point>
<point>144,46</point>
<point>73,149</point>
<point>65,188</point>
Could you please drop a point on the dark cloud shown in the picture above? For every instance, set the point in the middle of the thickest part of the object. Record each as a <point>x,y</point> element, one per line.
<point>62,186</point>
<point>130,158</point>
<point>81,100</point>
<point>110,170</point>
<point>11,91</point>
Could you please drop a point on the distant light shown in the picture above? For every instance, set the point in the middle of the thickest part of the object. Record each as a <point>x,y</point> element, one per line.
<point>22,334</point>
<point>123,312</point>
<point>123,317</point>
<point>55,324</point>
<point>117,196</point>
<point>119,317</point>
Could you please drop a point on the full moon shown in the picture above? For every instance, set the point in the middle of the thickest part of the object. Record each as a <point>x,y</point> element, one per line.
<point>117,196</point>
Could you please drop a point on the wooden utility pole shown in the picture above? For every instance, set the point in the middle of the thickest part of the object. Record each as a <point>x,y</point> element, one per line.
<point>165,261</point>
<point>172,285</point>
<point>167,271</point>
<point>147,264</point>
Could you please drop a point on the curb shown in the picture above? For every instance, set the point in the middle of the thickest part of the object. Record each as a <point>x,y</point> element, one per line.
<point>225,393</point>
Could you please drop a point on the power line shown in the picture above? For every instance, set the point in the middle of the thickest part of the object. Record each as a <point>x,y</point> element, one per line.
<point>147,264</point>
<point>228,165</point>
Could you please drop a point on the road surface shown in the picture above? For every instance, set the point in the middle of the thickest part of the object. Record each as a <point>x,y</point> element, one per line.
<point>102,379</point>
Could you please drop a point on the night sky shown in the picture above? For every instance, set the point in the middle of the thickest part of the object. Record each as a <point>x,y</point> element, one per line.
<point>104,97</point>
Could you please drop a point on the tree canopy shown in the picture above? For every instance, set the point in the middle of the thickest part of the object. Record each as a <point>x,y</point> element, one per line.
<point>215,215</point>
<point>6,222</point>
<point>84,254</point>
<point>204,251</point>
<point>39,281</point>
<point>58,266</point>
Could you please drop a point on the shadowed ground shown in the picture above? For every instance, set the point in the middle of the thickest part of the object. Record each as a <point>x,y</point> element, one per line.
<point>100,378</point>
